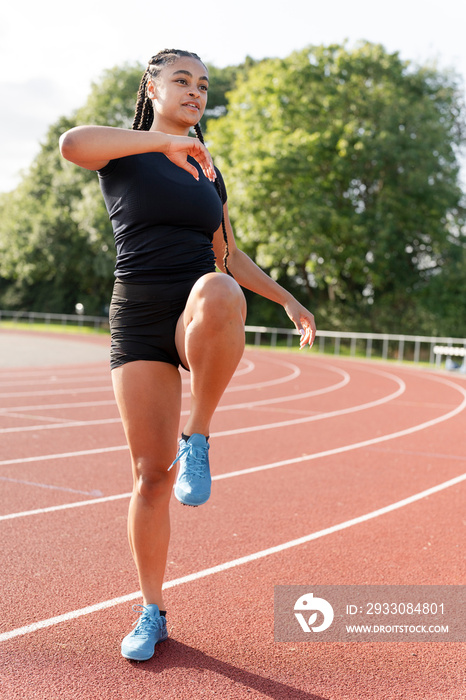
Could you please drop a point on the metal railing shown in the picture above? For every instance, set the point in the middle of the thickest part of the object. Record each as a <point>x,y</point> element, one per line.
<point>54,319</point>
<point>386,346</point>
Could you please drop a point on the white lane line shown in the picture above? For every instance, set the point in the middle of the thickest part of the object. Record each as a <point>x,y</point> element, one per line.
<point>64,455</point>
<point>61,373</point>
<point>25,416</point>
<point>235,431</point>
<point>52,406</point>
<point>62,425</point>
<point>68,423</point>
<point>320,416</point>
<point>419,453</point>
<point>56,392</point>
<point>293,397</point>
<point>50,622</point>
<point>95,492</point>
<point>250,366</point>
<point>295,372</point>
<point>53,379</point>
<point>24,373</point>
<point>274,465</point>
<point>66,506</point>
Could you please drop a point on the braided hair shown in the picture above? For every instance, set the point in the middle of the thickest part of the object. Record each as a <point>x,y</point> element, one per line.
<point>144,113</point>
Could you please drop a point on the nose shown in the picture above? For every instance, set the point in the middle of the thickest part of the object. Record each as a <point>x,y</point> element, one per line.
<point>193,92</point>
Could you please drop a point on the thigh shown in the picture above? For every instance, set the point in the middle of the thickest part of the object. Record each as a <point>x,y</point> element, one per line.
<point>211,296</point>
<point>148,395</point>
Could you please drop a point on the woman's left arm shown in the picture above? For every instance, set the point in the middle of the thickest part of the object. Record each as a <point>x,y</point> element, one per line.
<point>250,276</point>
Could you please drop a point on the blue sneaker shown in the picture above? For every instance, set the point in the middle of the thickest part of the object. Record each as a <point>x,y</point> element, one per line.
<point>151,628</point>
<point>193,483</point>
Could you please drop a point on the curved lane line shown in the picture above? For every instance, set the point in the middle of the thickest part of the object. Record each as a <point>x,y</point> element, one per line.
<point>250,366</point>
<point>58,392</point>
<point>292,397</point>
<point>35,626</point>
<point>320,416</point>
<point>59,371</point>
<point>51,406</point>
<point>64,455</point>
<point>295,372</point>
<point>236,431</point>
<point>265,467</point>
<point>64,423</point>
<point>88,404</point>
<point>51,379</point>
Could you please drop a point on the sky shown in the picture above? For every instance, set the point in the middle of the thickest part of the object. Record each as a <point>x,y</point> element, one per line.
<point>51,51</point>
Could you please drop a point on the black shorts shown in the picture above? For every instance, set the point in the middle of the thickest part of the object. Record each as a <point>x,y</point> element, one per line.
<point>143,320</point>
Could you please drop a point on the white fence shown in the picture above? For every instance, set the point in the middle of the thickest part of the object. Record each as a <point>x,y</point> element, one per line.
<point>54,319</point>
<point>415,348</point>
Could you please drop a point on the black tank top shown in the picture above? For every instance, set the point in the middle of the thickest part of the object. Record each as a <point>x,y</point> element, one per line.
<point>163,219</point>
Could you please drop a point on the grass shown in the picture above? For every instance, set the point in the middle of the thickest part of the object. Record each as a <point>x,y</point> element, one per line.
<point>53,328</point>
<point>281,345</point>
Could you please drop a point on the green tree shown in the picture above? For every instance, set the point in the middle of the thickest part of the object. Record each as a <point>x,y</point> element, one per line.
<point>342,169</point>
<point>56,242</point>
<point>51,254</point>
<point>221,82</point>
<point>444,298</point>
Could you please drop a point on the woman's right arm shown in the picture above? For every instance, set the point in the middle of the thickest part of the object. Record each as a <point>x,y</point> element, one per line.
<point>92,147</point>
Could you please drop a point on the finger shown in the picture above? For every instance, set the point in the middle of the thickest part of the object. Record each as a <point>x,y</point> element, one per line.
<point>307,336</point>
<point>204,159</point>
<point>209,172</point>
<point>207,168</point>
<point>191,169</point>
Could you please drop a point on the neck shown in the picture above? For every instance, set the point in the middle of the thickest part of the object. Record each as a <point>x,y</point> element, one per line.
<point>160,124</point>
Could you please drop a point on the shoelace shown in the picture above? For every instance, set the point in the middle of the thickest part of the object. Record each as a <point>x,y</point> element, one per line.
<point>145,623</point>
<point>196,466</point>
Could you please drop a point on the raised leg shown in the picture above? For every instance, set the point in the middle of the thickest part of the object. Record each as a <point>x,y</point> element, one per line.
<point>210,341</point>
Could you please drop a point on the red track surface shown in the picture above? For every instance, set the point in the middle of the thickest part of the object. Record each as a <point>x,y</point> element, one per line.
<point>335,440</point>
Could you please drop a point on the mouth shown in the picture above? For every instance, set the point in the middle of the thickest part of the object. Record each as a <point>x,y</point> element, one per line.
<point>191,105</point>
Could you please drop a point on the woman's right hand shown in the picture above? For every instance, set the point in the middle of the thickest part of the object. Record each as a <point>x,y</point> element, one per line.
<point>180,147</point>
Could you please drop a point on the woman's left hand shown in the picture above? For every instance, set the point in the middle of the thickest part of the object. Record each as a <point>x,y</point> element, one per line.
<point>304,322</point>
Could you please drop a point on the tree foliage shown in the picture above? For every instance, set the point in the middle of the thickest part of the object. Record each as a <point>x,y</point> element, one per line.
<point>342,169</point>
<point>342,172</point>
<point>56,242</point>
<point>56,245</point>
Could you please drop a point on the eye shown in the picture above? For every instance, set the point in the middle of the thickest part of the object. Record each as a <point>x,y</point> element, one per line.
<point>204,88</point>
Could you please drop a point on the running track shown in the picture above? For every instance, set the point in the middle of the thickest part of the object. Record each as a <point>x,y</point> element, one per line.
<point>326,472</point>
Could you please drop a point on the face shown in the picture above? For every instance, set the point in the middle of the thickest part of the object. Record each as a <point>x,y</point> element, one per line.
<point>179,95</point>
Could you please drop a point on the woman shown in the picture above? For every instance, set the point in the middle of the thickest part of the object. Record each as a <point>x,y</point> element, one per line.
<point>167,204</point>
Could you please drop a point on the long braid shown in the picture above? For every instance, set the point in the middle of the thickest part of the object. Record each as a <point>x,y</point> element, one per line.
<point>144,114</point>
<point>143,106</point>
<point>200,136</point>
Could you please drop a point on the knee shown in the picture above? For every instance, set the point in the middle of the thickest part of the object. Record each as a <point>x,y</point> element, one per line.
<point>221,299</point>
<point>152,483</point>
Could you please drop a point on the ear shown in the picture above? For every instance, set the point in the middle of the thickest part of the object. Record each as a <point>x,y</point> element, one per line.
<point>150,89</point>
